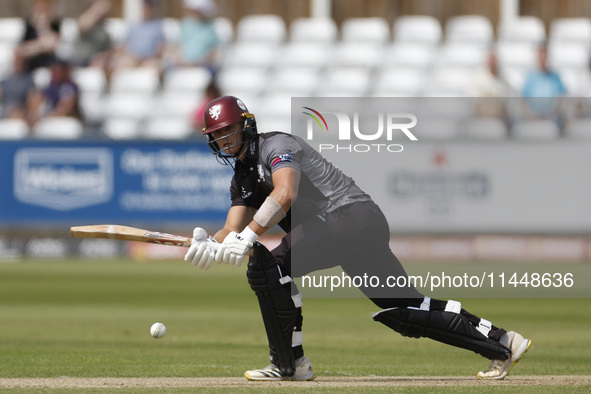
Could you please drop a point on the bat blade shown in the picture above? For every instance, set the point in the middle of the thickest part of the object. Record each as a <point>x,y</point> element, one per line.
<point>127,233</point>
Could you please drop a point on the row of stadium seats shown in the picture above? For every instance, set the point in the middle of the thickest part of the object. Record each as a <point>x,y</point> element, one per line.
<point>418,28</point>
<point>432,129</point>
<point>362,39</point>
<point>265,66</point>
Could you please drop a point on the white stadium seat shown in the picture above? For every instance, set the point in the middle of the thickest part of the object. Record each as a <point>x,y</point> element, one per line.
<point>527,29</point>
<point>59,128</point>
<point>261,28</point>
<point>570,30</point>
<point>239,79</point>
<point>142,80</point>
<point>187,80</point>
<point>273,123</point>
<point>172,30</point>
<point>41,77</point>
<point>515,60</point>
<point>117,29</point>
<point>451,79</point>
<point>126,105</point>
<point>6,59</point>
<point>407,54</point>
<point>313,30</point>
<point>461,55</point>
<point>275,104</point>
<point>568,55</point>
<point>92,106</point>
<point>181,105</point>
<point>294,81</point>
<point>354,82</point>
<point>167,128</point>
<point>357,54</point>
<point>13,129</point>
<point>422,29</point>
<point>121,128</point>
<point>303,54</point>
<point>473,29</point>
<point>399,82</point>
<point>11,30</point>
<point>90,80</point>
<point>365,30</point>
<point>250,54</point>
<point>224,29</point>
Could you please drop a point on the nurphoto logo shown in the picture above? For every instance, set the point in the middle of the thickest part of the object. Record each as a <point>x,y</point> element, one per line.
<point>349,129</point>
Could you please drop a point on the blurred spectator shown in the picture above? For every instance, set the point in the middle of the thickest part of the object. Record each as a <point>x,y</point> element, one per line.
<point>198,39</point>
<point>59,98</point>
<point>212,92</point>
<point>543,82</point>
<point>41,37</point>
<point>145,41</point>
<point>93,46</point>
<point>488,83</point>
<point>490,90</point>
<point>542,91</point>
<point>16,90</point>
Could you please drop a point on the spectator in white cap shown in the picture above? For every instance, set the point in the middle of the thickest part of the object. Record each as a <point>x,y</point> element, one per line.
<point>198,40</point>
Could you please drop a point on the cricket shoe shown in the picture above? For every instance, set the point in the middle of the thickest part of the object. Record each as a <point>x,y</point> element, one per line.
<point>303,371</point>
<point>498,369</point>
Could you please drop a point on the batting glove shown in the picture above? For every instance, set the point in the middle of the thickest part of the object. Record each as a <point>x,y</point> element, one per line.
<point>202,250</point>
<point>235,247</point>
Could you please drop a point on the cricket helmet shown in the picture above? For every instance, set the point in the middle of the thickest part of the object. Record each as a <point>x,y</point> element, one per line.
<point>222,112</point>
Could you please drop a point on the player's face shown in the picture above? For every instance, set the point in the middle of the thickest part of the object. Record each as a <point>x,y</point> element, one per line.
<point>229,138</point>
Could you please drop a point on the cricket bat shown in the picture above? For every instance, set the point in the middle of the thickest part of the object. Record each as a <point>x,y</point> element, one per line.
<point>126,233</point>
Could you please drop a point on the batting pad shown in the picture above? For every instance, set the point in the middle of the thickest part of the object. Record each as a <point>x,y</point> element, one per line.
<point>446,327</point>
<point>277,307</point>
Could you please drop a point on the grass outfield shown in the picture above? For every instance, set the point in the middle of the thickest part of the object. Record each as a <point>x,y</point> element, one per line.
<point>92,319</point>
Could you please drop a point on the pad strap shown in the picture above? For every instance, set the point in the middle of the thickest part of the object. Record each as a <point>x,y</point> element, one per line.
<point>484,327</point>
<point>453,306</point>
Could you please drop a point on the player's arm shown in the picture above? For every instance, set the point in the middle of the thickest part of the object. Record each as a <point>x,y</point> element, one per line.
<point>286,182</point>
<point>235,246</point>
<point>238,218</point>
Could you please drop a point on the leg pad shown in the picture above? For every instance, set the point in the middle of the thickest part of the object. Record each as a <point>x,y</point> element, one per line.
<point>277,307</point>
<point>447,327</point>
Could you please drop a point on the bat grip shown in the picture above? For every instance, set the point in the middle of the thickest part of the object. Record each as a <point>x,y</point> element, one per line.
<point>215,245</point>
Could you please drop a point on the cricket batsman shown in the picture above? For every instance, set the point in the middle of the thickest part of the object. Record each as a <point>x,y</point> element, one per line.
<point>281,180</point>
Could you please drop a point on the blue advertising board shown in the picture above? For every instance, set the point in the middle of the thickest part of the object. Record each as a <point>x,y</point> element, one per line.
<point>51,183</point>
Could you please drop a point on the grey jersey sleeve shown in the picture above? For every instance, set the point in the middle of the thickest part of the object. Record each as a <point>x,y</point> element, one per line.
<point>281,151</point>
<point>322,185</point>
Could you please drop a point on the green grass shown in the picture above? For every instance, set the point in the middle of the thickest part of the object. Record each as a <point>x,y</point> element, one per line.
<point>92,319</point>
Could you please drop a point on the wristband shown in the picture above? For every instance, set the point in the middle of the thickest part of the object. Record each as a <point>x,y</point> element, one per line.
<point>249,235</point>
<point>270,213</point>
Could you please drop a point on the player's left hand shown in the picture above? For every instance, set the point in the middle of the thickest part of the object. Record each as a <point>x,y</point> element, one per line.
<point>235,247</point>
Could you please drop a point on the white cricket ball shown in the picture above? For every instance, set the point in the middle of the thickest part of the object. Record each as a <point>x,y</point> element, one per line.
<point>158,330</point>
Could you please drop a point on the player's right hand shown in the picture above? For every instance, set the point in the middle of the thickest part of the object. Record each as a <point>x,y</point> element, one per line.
<point>202,250</point>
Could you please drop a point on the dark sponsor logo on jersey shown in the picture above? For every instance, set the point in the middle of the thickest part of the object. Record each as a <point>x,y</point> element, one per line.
<point>261,172</point>
<point>280,159</point>
<point>245,194</point>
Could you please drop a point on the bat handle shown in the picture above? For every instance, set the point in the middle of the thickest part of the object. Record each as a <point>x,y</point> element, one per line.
<point>216,246</point>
